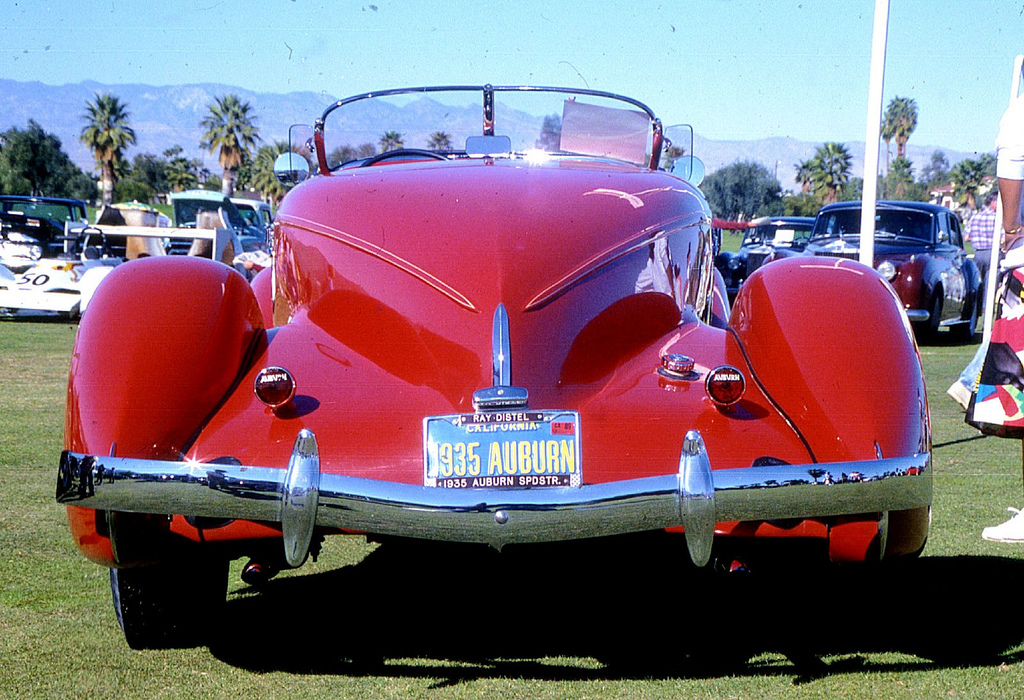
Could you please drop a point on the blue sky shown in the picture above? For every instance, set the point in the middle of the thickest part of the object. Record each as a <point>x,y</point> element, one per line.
<point>734,69</point>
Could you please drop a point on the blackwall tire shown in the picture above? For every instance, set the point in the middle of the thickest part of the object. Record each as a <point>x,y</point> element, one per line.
<point>169,605</point>
<point>965,331</point>
<point>929,331</point>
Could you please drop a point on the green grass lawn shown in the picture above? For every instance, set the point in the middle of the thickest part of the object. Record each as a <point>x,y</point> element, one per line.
<point>947,625</point>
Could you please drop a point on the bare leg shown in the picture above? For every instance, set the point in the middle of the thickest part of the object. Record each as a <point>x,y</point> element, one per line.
<point>1009,193</point>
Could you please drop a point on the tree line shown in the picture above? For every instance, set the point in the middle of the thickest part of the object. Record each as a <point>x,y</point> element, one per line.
<point>33,161</point>
<point>747,190</point>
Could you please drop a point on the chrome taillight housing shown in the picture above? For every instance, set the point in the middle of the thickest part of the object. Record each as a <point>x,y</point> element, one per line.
<point>274,386</point>
<point>725,385</point>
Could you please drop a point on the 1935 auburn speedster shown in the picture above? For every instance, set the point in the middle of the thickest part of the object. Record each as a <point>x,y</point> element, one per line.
<point>515,341</point>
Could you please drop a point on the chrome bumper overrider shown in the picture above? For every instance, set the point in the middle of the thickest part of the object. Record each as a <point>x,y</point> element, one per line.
<point>302,498</point>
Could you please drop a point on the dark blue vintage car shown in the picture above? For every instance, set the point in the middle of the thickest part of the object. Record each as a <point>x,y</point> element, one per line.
<point>767,237</point>
<point>35,227</point>
<point>919,249</point>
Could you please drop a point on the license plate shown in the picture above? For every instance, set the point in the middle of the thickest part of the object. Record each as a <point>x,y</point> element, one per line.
<point>504,449</point>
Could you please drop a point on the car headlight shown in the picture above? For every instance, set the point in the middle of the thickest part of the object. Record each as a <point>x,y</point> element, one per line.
<point>735,264</point>
<point>887,270</point>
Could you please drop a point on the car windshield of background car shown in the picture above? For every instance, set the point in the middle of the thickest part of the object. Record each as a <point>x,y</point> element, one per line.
<point>783,237</point>
<point>57,212</point>
<point>251,216</point>
<point>837,224</point>
<point>904,224</point>
<point>185,211</point>
<point>889,223</point>
<point>755,236</point>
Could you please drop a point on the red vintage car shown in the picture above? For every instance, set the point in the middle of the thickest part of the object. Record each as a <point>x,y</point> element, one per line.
<point>509,332</point>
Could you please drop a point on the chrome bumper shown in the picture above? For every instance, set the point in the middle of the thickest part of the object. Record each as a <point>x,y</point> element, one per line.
<point>301,498</point>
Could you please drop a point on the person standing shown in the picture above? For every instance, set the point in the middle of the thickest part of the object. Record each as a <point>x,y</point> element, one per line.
<point>997,407</point>
<point>980,232</point>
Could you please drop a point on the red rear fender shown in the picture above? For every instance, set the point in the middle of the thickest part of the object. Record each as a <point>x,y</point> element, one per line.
<point>160,346</point>
<point>828,342</point>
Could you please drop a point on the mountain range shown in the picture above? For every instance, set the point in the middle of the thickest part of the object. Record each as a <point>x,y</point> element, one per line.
<point>166,116</point>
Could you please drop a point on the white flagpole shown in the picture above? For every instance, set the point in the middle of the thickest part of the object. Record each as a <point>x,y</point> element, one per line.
<point>993,268</point>
<point>873,133</point>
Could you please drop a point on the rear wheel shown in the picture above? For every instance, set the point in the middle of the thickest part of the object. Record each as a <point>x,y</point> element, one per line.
<point>965,331</point>
<point>169,605</point>
<point>929,332</point>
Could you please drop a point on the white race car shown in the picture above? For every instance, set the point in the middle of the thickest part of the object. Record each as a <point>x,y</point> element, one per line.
<point>53,286</point>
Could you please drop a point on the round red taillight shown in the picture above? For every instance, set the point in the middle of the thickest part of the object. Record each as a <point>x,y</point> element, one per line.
<point>725,385</point>
<point>274,386</point>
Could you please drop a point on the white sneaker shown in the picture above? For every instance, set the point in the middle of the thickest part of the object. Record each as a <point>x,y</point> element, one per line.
<point>959,393</point>
<point>1010,531</point>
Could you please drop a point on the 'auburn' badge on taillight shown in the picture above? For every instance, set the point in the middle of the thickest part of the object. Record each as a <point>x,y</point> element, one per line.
<point>725,385</point>
<point>274,386</point>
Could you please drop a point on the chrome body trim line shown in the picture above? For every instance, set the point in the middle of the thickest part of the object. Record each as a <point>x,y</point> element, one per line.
<point>501,395</point>
<point>501,349</point>
<point>918,315</point>
<point>695,497</point>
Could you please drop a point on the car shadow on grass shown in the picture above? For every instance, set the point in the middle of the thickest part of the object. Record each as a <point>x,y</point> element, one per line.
<point>435,612</point>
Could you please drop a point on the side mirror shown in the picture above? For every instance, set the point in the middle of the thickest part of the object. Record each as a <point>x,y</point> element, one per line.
<point>291,168</point>
<point>690,168</point>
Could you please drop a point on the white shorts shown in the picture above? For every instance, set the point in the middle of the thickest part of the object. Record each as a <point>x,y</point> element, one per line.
<point>1010,163</point>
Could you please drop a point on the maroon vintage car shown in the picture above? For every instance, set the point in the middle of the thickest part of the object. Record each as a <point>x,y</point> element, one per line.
<point>505,329</point>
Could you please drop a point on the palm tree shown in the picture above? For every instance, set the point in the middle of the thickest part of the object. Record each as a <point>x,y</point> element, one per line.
<point>390,141</point>
<point>181,172</point>
<point>900,122</point>
<point>440,141</point>
<point>831,170</point>
<point>263,178</point>
<point>107,133</point>
<point>968,177</point>
<point>804,168</point>
<point>888,131</point>
<point>231,127</point>
<point>899,179</point>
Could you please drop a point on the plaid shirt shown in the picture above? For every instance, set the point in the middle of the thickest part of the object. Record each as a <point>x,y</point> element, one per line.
<point>981,229</point>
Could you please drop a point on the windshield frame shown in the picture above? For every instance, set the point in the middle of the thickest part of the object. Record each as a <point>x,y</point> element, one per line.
<point>488,93</point>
